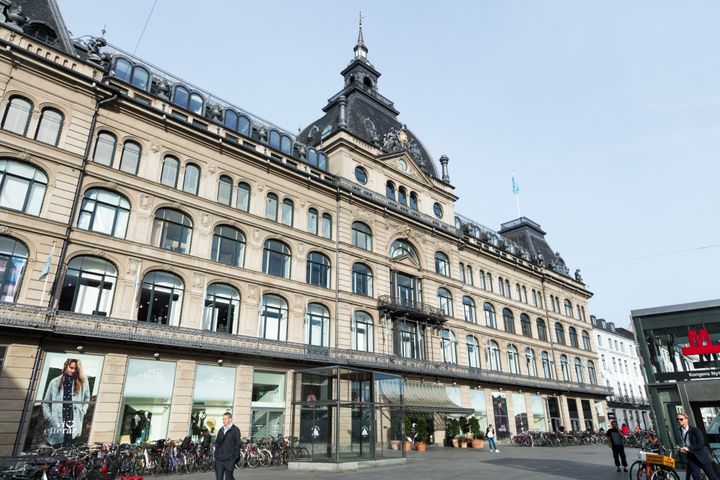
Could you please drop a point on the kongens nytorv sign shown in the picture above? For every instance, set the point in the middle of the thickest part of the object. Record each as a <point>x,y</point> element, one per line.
<point>707,353</point>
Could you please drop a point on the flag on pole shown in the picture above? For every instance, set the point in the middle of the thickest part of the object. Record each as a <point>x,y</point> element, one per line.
<point>48,262</point>
<point>515,187</point>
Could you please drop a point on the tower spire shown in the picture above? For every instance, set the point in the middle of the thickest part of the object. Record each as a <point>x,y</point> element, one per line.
<point>360,49</point>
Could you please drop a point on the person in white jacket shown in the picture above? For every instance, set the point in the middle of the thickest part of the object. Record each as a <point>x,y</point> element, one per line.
<point>65,404</point>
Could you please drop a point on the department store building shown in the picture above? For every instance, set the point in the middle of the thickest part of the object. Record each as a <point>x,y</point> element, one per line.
<point>189,256</point>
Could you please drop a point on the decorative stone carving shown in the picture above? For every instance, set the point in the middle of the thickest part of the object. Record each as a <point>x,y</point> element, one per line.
<point>112,185</point>
<point>371,131</point>
<point>5,229</point>
<point>25,155</point>
<point>154,148</point>
<point>214,111</point>
<point>256,235</point>
<point>144,201</point>
<point>98,252</point>
<point>205,219</point>
<point>260,187</point>
<point>212,168</point>
<point>399,140</point>
<point>539,258</point>
<point>578,277</point>
<point>301,249</point>
<point>161,87</point>
<point>176,205</point>
<point>15,16</point>
<point>198,280</point>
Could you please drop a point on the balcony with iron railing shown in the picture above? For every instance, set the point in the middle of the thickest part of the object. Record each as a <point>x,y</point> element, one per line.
<point>631,400</point>
<point>91,327</point>
<point>411,309</point>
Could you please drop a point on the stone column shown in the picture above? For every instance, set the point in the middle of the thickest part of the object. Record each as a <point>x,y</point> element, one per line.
<point>181,406</point>
<point>243,395</point>
<point>109,399</point>
<point>14,384</point>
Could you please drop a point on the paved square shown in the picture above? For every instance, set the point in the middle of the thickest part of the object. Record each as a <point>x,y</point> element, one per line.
<point>512,463</point>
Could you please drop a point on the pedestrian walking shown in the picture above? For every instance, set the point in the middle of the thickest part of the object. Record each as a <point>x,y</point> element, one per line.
<point>615,441</point>
<point>625,430</point>
<point>697,455</point>
<point>227,448</point>
<point>490,435</point>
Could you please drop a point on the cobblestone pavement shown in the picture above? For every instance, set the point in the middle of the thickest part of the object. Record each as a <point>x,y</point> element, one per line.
<point>512,463</point>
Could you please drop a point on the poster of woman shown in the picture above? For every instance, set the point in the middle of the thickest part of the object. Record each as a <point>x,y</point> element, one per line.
<point>65,400</point>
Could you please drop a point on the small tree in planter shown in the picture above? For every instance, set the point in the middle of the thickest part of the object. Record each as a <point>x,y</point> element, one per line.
<point>477,433</point>
<point>422,434</point>
<point>408,434</point>
<point>464,429</point>
<point>395,431</point>
<point>454,432</point>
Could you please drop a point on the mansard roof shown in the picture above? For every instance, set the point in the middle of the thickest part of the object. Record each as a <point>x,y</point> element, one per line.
<point>39,19</point>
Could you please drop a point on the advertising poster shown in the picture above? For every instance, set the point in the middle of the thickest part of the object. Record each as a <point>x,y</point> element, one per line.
<point>501,414</point>
<point>65,400</point>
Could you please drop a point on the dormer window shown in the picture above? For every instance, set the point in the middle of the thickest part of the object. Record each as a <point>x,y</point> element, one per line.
<point>191,102</point>
<point>438,210</point>
<point>280,142</point>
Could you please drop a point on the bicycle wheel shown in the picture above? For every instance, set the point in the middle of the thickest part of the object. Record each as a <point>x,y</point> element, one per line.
<point>637,470</point>
<point>240,462</point>
<point>252,459</point>
<point>664,474</point>
<point>265,457</point>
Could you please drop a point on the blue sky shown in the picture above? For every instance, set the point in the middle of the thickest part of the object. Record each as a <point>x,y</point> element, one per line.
<point>608,111</point>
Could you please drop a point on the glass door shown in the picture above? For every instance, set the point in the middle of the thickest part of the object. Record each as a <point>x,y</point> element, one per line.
<point>707,416</point>
<point>406,289</point>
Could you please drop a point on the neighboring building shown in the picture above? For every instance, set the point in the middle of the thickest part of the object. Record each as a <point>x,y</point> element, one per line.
<point>192,256</point>
<point>622,371</point>
<point>680,348</point>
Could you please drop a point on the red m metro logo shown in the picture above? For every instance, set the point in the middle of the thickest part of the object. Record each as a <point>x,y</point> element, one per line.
<point>700,343</point>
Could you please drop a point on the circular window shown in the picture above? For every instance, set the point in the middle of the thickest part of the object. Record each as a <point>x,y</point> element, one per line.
<point>437,208</point>
<point>361,175</point>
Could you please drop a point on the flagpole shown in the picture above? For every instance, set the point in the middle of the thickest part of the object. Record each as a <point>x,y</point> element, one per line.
<point>47,273</point>
<point>516,193</point>
<point>137,284</point>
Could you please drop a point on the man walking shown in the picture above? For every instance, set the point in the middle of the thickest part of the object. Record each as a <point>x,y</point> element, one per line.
<point>615,441</point>
<point>227,448</point>
<point>697,455</point>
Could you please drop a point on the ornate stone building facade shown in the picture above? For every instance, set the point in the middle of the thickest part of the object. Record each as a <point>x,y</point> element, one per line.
<point>190,256</point>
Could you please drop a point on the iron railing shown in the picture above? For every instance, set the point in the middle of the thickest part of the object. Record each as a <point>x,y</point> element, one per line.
<point>412,308</point>
<point>95,327</point>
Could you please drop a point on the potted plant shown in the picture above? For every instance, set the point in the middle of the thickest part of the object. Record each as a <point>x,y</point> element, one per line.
<point>395,431</point>
<point>478,435</point>
<point>464,429</point>
<point>422,434</point>
<point>453,432</point>
<point>408,436</point>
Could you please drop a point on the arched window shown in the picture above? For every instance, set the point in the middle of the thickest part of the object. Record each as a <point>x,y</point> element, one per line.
<point>286,144</point>
<point>400,248</point>
<point>362,279</point>
<point>161,298</point>
<point>274,139</point>
<point>513,359</point>
<point>586,340</point>
<point>591,372</point>
<point>140,78</point>
<point>390,190</point>
<point>313,221</point>
<point>565,368</point>
<point>318,270</point>
<point>362,332</point>
<point>276,259</point>
<point>104,211</point>
<point>490,320</point>
<point>508,320</point>
<point>317,325</point>
<point>271,207</point>
<point>481,279</point>
<point>413,201</point>
<point>230,120</point>
<point>172,230</point>
<point>469,310</point>
<point>568,308</point>
<point>462,272</point>
<point>469,275</point>
<point>402,195</point>
<point>239,123</point>
<point>542,331</point>
<point>473,351</point>
<point>559,333</point>
<point>49,127</point>
<point>525,325</point>
<point>191,182</point>
<point>228,246</point>
<point>130,158</point>
<point>362,236</point>
<point>326,231</point>
<point>14,258</point>
<point>22,186</point>
<point>123,69</point>
<point>243,198</point>
<point>579,370</point>
<point>547,369</point>
<point>17,115</point>
<point>225,188</point>
<point>288,212</point>
<point>493,354</point>
<point>105,149</point>
<point>530,362</point>
<point>169,175</point>
<point>448,345</point>
<point>572,334</point>
<point>445,301</point>
<point>222,308</point>
<point>273,318</point>
<point>192,102</point>
<point>442,264</point>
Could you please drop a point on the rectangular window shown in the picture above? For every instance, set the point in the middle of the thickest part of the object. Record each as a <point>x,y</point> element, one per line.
<point>538,412</point>
<point>573,413</point>
<point>477,400</point>
<point>520,411</point>
<point>213,396</point>
<point>146,401</point>
<point>268,404</point>
<point>65,400</point>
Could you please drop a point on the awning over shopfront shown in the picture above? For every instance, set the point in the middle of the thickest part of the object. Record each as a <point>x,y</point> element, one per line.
<point>424,397</point>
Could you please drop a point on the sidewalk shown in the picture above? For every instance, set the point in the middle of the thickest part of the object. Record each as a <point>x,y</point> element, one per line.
<point>512,463</point>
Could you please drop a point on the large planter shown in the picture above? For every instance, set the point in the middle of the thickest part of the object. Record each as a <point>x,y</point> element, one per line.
<point>408,445</point>
<point>420,446</point>
<point>463,443</point>
<point>395,444</point>
<point>478,443</point>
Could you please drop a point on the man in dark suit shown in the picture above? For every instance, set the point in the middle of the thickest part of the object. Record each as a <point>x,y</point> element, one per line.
<point>698,456</point>
<point>227,448</point>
